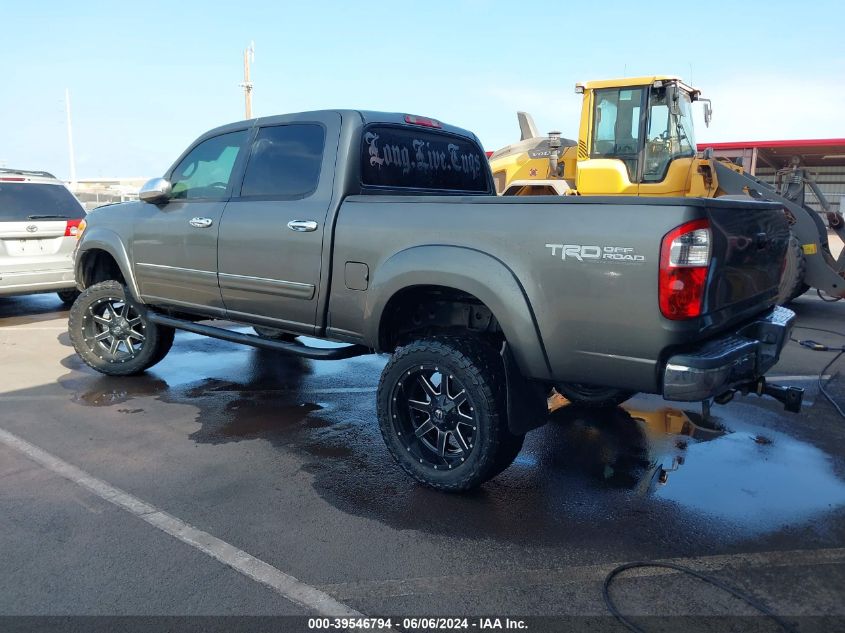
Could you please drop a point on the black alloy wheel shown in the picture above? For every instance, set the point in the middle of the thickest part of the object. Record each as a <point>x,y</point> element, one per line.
<point>434,417</point>
<point>114,330</point>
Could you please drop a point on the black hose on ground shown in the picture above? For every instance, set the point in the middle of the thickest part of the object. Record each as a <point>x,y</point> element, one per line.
<point>820,347</point>
<point>736,593</point>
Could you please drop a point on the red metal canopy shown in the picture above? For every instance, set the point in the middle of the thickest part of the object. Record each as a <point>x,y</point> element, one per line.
<point>817,152</point>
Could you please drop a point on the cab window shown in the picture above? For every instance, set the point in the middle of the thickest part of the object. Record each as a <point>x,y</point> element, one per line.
<point>670,133</point>
<point>616,126</point>
<point>285,161</point>
<point>205,172</point>
<point>406,159</point>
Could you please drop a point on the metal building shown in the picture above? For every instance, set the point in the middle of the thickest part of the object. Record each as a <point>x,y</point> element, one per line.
<point>823,158</point>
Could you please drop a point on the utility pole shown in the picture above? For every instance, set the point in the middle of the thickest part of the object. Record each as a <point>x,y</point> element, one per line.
<point>249,57</point>
<point>70,141</point>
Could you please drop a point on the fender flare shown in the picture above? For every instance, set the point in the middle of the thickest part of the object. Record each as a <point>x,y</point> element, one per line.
<point>109,242</point>
<point>469,270</point>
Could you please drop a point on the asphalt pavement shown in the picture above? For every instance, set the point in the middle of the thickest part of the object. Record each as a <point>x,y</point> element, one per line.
<point>231,481</point>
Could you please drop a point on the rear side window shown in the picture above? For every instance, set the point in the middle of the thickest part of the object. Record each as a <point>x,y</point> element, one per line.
<point>21,201</point>
<point>285,161</point>
<point>399,157</point>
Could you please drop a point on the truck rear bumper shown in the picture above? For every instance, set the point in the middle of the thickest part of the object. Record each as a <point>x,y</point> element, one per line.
<point>728,362</point>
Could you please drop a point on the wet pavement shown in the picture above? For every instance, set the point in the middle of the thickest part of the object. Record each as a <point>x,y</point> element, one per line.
<point>282,457</point>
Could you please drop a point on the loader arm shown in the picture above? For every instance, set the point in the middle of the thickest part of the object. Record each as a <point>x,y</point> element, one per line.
<point>823,270</point>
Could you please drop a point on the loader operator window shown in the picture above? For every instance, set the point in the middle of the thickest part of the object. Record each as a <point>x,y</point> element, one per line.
<point>616,126</point>
<point>670,133</point>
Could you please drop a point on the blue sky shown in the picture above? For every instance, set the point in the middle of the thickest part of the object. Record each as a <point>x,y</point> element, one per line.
<point>145,80</point>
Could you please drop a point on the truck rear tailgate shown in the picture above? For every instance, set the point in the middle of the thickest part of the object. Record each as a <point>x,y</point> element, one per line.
<point>749,246</point>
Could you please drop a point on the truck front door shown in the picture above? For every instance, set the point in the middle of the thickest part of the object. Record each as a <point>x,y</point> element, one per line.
<point>175,242</point>
<point>272,230</point>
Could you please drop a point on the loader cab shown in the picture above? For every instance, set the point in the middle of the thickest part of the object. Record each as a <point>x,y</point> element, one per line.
<point>636,137</point>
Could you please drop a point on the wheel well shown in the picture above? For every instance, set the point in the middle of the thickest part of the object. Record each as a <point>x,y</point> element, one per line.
<point>97,266</point>
<point>426,310</point>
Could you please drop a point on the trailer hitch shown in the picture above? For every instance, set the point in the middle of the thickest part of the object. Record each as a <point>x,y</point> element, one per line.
<point>790,397</point>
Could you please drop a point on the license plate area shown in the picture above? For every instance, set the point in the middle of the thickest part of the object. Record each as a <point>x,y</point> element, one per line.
<point>25,247</point>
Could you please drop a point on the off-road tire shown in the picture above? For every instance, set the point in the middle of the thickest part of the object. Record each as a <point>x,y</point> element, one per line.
<point>792,283</point>
<point>477,369</point>
<point>68,296</point>
<point>82,327</point>
<point>274,334</point>
<point>591,396</point>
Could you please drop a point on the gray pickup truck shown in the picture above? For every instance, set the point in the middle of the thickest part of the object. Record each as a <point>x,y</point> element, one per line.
<point>382,233</point>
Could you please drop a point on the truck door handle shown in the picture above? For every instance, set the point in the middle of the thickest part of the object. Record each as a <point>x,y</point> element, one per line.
<point>200,223</point>
<point>302,225</point>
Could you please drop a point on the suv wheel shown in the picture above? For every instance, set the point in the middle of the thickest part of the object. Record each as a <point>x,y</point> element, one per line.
<point>112,334</point>
<point>442,412</point>
<point>68,296</point>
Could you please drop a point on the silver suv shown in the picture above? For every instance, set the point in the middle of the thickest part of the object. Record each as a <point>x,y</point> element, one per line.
<point>39,221</point>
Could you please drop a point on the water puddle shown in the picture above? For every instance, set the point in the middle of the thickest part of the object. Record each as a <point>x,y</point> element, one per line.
<point>752,477</point>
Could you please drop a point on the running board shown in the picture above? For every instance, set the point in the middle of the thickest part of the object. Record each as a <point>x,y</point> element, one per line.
<point>314,353</point>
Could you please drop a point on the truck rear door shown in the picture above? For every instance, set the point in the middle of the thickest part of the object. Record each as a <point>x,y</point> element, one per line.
<point>271,234</point>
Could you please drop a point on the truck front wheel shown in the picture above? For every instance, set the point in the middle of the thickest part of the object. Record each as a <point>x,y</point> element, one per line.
<point>442,412</point>
<point>112,333</point>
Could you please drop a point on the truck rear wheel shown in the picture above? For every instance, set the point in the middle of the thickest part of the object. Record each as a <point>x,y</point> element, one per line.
<point>111,333</point>
<point>592,395</point>
<point>442,412</point>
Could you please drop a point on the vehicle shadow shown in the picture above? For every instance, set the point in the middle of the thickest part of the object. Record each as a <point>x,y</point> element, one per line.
<point>27,309</point>
<point>600,468</point>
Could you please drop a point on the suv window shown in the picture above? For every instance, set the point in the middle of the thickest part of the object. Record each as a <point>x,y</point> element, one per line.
<point>285,161</point>
<point>206,170</point>
<point>21,201</point>
<point>398,157</point>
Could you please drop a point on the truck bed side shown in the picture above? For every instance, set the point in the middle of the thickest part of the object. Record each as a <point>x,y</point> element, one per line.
<point>592,316</point>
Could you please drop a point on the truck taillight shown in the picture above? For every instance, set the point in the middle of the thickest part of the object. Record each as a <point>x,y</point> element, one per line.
<point>684,262</point>
<point>72,228</point>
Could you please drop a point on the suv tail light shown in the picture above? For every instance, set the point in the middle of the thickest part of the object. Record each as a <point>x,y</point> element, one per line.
<point>72,228</point>
<point>684,262</point>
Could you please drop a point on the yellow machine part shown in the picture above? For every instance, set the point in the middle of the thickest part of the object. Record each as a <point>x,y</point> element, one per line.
<point>603,176</point>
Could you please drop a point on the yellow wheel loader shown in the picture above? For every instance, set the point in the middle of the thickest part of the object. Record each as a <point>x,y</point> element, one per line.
<point>636,138</point>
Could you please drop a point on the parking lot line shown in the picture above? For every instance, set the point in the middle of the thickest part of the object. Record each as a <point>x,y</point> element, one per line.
<point>284,584</point>
<point>32,328</point>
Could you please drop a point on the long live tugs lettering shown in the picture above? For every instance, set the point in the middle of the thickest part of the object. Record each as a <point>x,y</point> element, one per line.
<point>426,157</point>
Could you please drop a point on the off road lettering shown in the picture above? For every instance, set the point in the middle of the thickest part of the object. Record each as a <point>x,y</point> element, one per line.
<point>584,253</point>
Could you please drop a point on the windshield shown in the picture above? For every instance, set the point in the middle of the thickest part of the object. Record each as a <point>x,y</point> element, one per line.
<point>670,133</point>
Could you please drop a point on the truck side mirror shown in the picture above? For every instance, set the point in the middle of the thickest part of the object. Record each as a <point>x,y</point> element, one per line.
<point>708,112</point>
<point>155,190</point>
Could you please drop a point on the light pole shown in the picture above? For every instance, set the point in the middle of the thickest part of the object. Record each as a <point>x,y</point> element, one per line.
<point>249,57</point>
<point>70,141</point>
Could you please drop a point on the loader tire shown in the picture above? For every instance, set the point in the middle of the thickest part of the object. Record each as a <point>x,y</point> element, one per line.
<point>792,283</point>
